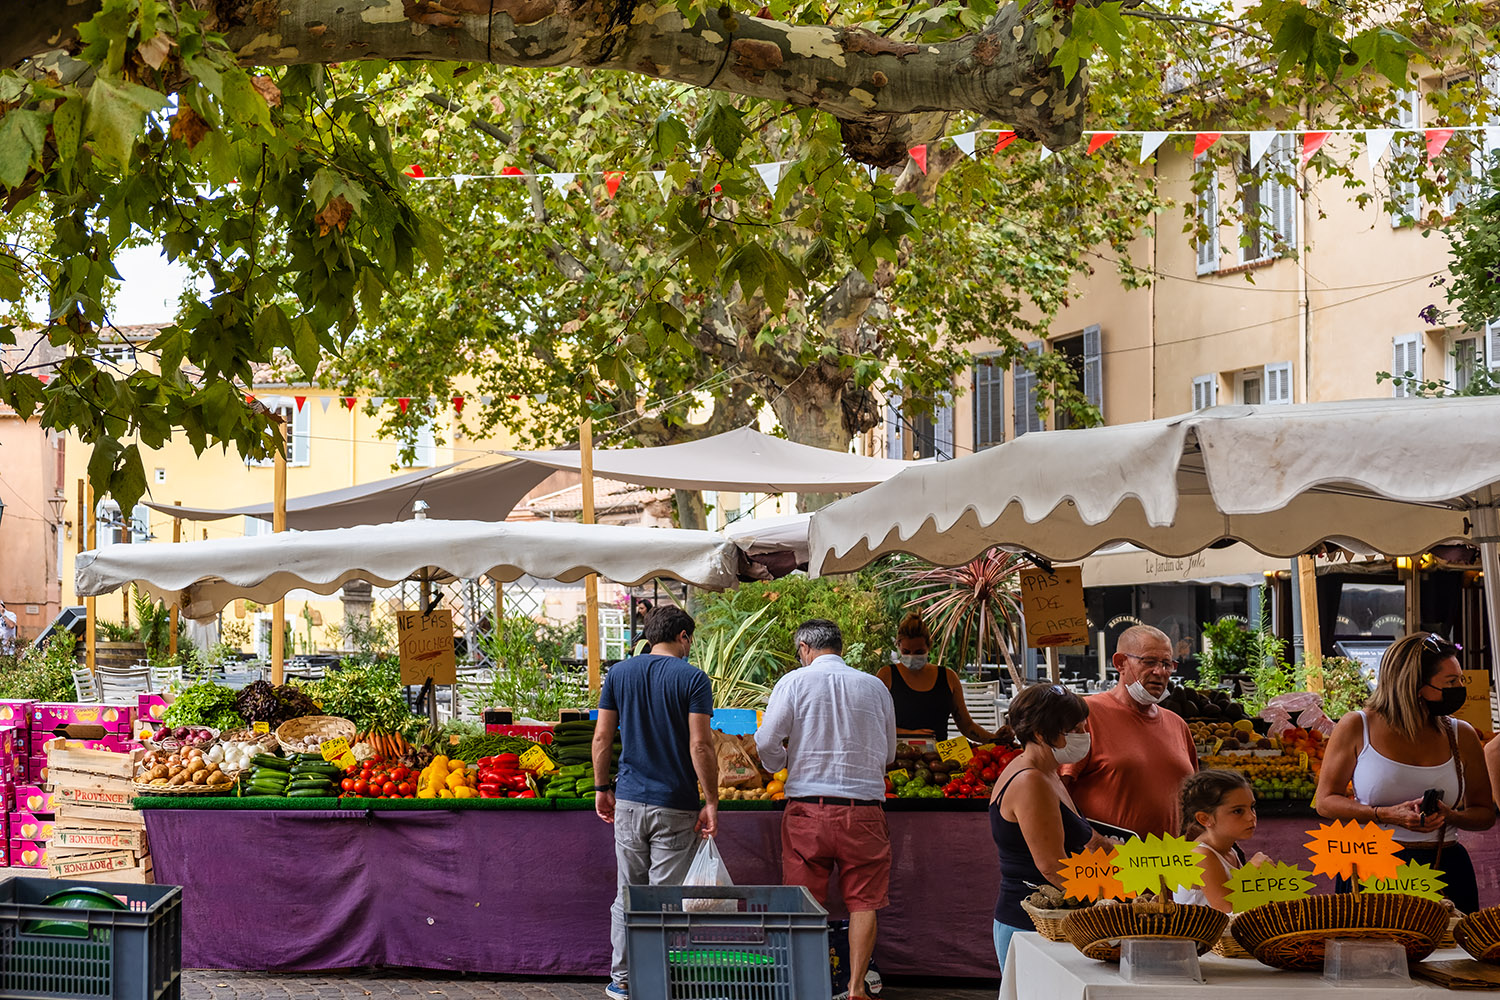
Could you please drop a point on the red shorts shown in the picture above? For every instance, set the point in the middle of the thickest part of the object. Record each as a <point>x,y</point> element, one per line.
<point>816,838</point>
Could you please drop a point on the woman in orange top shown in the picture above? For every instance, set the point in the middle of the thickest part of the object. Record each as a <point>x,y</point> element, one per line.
<point>926,694</point>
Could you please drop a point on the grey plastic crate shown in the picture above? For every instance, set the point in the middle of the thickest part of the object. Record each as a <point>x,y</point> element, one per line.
<point>774,946</point>
<point>133,954</point>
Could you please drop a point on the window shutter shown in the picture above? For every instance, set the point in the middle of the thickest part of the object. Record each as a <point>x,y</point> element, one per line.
<point>1093,366</point>
<point>1406,362</point>
<point>1404,153</point>
<point>1492,344</point>
<point>1278,382</point>
<point>1027,419</point>
<point>989,404</point>
<point>894,439</point>
<point>942,429</point>
<point>1205,391</point>
<point>1208,217</point>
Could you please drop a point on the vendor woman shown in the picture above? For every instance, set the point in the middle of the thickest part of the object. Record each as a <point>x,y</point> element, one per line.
<point>925,693</point>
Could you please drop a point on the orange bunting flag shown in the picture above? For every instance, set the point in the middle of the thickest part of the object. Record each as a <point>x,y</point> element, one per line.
<point>919,154</point>
<point>1342,850</point>
<point>1311,143</point>
<point>458,404</point>
<point>1098,141</point>
<point>612,179</point>
<point>1204,141</point>
<point>403,402</point>
<point>1004,139</point>
<point>1092,875</point>
<point>1437,141</point>
<point>299,400</point>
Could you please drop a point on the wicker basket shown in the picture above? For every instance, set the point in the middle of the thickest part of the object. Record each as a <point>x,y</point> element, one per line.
<point>324,727</point>
<point>1097,931</point>
<point>1292,934</point>
<point>1049,923</point>
<point>1479,934</point>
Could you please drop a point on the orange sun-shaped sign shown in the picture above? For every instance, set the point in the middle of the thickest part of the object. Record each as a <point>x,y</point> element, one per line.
<point>1092,875</point>
<point>1347,849</point>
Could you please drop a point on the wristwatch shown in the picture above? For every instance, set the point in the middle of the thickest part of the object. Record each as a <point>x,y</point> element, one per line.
<point>605,788</point>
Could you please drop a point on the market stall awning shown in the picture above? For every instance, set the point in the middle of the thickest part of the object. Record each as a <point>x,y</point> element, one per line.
<point>459,491</point>
<point>743,459</point>
<point>203,577</point>
<point>1396,476</point>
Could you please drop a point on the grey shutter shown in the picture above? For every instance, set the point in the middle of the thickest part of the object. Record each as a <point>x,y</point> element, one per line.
<point>1027,419</point>
<point>1093,366</point>
<point>989,404</point>
<point>894,439</point>
<point>942,428</point>
<point>1277,382</point>
<point>1208,217</point>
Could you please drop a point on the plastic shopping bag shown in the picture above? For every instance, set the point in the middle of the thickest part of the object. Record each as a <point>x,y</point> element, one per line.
<point>708,869</point>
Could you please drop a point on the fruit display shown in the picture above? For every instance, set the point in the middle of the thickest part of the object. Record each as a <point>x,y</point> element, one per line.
<point>189,767</point>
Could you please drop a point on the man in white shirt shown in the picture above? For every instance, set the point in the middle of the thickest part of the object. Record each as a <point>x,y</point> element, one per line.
<point>839,728</point>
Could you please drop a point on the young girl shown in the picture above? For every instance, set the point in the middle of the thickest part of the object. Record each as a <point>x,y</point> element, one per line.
<point>1218,810</point>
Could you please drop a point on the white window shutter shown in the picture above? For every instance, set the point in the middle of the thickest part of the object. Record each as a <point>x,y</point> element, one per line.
<point>942,428</point>
<point>1492,344</point>
<point>1205,392</point>
<point>1404,156</point>
<point>894,439</point>
<point>1277,381</point>
<point>1093,366</point>
<point>1208,218</point>
<point>989,404</point>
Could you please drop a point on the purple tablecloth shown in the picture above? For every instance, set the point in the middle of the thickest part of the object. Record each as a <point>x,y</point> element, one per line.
<point>523,893</point>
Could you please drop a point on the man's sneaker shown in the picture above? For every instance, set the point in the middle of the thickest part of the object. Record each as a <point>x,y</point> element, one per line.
<point>617,991</point>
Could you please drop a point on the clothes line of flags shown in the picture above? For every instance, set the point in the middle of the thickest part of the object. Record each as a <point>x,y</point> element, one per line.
<point>1377,143</point>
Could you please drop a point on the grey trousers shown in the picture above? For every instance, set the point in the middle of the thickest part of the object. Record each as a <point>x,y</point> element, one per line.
<point>653,846</point>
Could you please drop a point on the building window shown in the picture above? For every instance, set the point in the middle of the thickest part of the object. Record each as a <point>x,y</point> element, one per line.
<point>1269,203</point>
<point>989,402</point>
<point>1406,363</point>
<point>1208,218</point>
<point>297,422</point>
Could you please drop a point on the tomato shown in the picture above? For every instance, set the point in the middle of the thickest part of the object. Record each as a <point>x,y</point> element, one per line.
<point>362,788</point>
<point>388,788</point>
<point>404,788</point>
<point>348,784</point>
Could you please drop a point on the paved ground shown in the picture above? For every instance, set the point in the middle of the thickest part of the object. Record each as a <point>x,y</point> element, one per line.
<point>381,984</point>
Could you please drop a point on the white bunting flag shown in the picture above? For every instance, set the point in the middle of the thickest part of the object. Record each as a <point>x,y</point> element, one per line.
<point>560,182</point>
<point>770,175</point>
<point>1259,143</point>
<point>661,182</point>
<point>1046,154</point>
<point>458,181</point>
<point>965,142</point>
<point>1151,142</point>
<point>1377,141</point>
<point>325,400</point>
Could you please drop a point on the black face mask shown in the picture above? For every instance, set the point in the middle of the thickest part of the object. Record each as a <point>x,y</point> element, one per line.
<point>1451,701</point>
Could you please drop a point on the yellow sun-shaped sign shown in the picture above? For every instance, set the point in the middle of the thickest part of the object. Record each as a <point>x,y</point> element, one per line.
<point>1147,862</point>
<point>1092,875</point>
<point>1348,849</point>
<point>1257,885</point>
<point>1411,879</point>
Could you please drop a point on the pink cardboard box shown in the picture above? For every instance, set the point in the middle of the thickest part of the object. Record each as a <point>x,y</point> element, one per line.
<point>29,826</point>
<point>16,713</point>
<point>28,854</point>
<point>48,716</point>
<point>34,799</point>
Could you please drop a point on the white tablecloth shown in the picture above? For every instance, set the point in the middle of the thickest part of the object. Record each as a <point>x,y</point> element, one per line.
<point>1038,969</point>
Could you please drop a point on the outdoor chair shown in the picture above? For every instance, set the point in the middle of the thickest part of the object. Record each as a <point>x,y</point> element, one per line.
<point>982,700</point>
<point>84,687</point>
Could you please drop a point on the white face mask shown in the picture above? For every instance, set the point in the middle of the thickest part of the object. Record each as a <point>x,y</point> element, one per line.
<point>1138,691</point>
<point>914,661</point>
<point>1075,750</point>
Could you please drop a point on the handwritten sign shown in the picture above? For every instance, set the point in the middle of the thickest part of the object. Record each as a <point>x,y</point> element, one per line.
<point>1273,882</point>
<point>536,759</point>
<point>1146,862</point>
<point>426,643</point>
<point>1411,879</point>
<point>337,750</point>
<point>1053,607</point>
<point>1342,850</point>
<point>1476,710</point>
<point>1092,875</point>
<point>260,727</point>
<point>955,750</point>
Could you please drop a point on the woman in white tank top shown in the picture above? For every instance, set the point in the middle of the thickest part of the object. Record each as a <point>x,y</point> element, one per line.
<point>1404,744</point>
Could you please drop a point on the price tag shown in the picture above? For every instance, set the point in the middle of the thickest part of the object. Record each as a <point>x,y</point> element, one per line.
<point>537,760</point>
<point>1148,862</point>
<point>955,750</point>
<point>337,750</point>
<point>261,727</point>
<point>1255,885</point>
<point>1349,849</point>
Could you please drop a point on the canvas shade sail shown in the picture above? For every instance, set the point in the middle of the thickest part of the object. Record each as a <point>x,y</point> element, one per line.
<point>1396,476</point>
<point>201,578</point>
<point>452,492</point>
<point>742,459</point>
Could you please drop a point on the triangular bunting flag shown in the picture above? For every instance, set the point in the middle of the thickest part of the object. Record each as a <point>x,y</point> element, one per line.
<point>1311,143</point>
<point>612,179</point>
<point>1204,142</point>
<point>661,182</point>
<point>458,181</point>
<point>1151,142</point>
<point>299,400</point>
<point>770,175</point>
<point>560,182</point>
<point>348,402</point>
<point>415,171</point>
<point>1259,143</point>
<point>1377,141</point>
<point>1004,139</point>
<point>1437,141</point>
<point>919,155</point>
<point>458,404</point>
<point>325,400</point>
<point>403,402</point>
<point>1046,154</point>
<point>1098,140</point>
<point>965,142</point>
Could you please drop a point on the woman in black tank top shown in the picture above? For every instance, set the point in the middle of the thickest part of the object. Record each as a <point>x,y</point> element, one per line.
<point>926,694</point>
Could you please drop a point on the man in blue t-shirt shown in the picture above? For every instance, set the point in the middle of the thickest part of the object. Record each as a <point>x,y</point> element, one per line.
<point>662,705</point>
